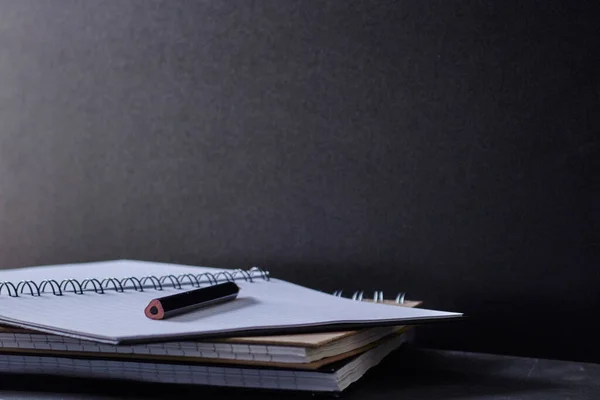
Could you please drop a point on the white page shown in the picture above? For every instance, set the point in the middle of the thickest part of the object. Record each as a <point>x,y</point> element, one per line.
<point>117,317</point>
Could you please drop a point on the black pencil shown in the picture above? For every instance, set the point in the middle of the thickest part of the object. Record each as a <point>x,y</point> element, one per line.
<point>169,306</point>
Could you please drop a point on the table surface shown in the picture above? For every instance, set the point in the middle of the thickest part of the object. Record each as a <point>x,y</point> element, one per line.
<point>407,374</point>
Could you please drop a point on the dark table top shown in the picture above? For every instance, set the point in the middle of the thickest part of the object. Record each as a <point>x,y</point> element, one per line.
<point>407,374</point>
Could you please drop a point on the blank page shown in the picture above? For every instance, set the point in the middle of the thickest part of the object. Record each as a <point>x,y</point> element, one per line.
<point>273,306</point>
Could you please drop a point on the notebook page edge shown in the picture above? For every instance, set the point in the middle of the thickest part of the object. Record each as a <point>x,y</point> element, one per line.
<point>148,338</point>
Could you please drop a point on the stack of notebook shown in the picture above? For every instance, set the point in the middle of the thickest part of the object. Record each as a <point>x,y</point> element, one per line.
<point>72,320</point>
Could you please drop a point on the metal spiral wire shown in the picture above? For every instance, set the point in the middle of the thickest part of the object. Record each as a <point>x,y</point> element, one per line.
<point>32,288</point>
<point>378,297</point>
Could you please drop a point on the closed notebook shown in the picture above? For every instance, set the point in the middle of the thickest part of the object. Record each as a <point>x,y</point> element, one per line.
<point>330,378</point>
<point>249,359</point>
<point>104,302</point>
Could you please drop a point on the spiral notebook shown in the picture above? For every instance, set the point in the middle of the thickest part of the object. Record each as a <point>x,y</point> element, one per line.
<point>294,351</point>
<point>104,302</point>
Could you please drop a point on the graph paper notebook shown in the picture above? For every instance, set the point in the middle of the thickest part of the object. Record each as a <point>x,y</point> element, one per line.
<point>263,350</point>
<point>251,359</point>
<point>330,378</point>
<point>78,301</point>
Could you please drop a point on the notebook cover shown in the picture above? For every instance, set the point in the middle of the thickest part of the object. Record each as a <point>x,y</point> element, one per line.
<point>266,307</point>
<point>308,340</point>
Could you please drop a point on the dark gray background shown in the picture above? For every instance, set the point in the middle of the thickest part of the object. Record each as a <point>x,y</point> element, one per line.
<point>445,148</point>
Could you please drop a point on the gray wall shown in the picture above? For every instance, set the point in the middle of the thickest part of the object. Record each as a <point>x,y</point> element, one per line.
<point>448,149</point>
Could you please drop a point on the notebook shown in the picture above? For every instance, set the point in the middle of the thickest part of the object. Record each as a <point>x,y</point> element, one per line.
<point>288,349</point>
<point>331,378</point>
<point>79,301</point>
<point>319,340</point>
<point>276,361</point>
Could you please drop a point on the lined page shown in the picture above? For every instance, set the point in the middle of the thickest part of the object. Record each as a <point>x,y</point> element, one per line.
<point>116,317</point>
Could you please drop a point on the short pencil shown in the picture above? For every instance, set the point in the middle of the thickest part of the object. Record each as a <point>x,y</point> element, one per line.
<point>180,303</point>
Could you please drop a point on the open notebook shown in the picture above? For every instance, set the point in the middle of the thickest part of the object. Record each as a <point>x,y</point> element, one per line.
<point>78,301</point>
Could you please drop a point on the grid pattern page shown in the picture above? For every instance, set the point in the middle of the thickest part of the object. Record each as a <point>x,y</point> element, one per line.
<point>44,343</point>
<point>114,317</point>
<point>37,342</point>
<point>170,373</point>
<point>204,374</point>
<point>185,349</point>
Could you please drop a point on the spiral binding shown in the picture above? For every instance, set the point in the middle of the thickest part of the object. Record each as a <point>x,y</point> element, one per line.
<point>120,285</point>
<point>377,296</point>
